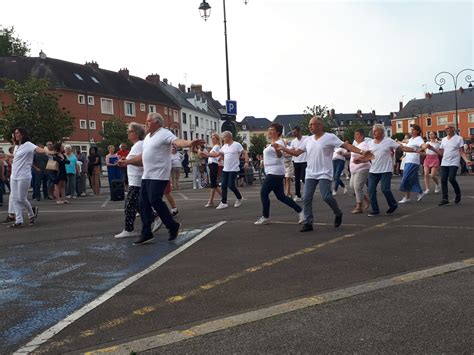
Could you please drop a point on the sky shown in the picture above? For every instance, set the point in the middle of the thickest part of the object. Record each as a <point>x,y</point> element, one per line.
<point>284,55</point>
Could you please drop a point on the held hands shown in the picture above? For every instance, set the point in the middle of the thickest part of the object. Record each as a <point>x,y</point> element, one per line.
<point>197,142</point>
<point>276,146</point>
<point>122,163</point>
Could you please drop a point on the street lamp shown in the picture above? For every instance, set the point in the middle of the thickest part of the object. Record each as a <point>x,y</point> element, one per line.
<point>440,79</point>
<point>416,110</point>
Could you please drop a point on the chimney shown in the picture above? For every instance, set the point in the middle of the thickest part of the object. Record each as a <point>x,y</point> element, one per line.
<point>461,90</point>
<point>182,87</point>
<point>165,80</point>
<point>93,64</point>
<point>196,88</point>
<point>153,78</point>
<point>208,93</point>
<point>124,72</point>
<point>400,106</point>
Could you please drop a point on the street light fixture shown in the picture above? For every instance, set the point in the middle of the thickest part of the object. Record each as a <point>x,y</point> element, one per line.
<point>440,79</point>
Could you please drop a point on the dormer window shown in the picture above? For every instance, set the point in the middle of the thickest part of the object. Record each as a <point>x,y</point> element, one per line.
<point>244,126</point>
<point>78,76</point>
<point>94,79</point>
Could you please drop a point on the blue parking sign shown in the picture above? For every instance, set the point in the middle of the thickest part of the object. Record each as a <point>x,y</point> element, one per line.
<point>231,107</point>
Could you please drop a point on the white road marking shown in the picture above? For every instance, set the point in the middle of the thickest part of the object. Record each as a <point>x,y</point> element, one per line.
<point>183,196</point>
<point>55,329</point>
<point>105,202</point>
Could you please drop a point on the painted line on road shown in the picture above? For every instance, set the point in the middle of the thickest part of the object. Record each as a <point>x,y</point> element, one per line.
<point>164,339</point>
<point>105,202</point>
<point>49,333</point>
<point>183,196</point>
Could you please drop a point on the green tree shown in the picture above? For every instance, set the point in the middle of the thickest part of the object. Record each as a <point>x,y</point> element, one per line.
<point>257,145</point>
<point>114,133</point>
<point>398,136</point>
<point>348,132</point>
<point>316,110</point>
<point>10,44</point>
<point>34,107</point>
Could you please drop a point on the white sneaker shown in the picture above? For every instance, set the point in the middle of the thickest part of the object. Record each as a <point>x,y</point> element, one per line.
<point>426,192</point>
<point>222,206</point>
<point>420,196</point>
<point>125,234</point>
<point>436,189</point>
<point>297,199</point>
<point>157,223</point>
<point>345,190</point>
<point>404,200</point>
<point>238,203</point>
<point>194,188</point>
<point>262,220</point>
<point>300,217</point>
<point>334,192</point>
<point>68,196</point>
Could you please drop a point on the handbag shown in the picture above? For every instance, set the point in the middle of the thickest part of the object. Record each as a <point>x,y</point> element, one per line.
<point>52,165</point>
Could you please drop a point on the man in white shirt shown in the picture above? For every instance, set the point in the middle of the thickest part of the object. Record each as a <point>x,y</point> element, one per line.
<point>299,162</point>
<point>156,161</point>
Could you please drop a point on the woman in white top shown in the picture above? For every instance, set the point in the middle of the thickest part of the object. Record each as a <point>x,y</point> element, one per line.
<point>176,163</point>
<point>410,182</point>
<point>275,170</point>
<point>213,163</point>
<point>359,172</point>
<point>431,163</point>
<point>20,179</point>
<point>136,134</point>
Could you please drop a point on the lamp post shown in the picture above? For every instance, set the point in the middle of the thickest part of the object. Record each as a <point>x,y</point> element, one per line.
<point>440,79</point>
<point>205,10</point>
<point>416,110</point>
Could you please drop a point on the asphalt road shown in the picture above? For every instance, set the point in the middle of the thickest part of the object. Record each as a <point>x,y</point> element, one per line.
<point>70,257</point>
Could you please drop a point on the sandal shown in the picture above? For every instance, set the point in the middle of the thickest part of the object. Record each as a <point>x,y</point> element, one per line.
<point>356,210</point>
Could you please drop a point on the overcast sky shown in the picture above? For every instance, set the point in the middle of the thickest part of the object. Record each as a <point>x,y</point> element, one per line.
<point>284,55</point>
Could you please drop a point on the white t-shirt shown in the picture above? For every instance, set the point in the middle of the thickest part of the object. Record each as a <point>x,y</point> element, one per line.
<point>339,154</point>
<point>319,155</point>
<point>215,160</point>
<point>157,155</point>
<point>414,143</point>
<point>273,165</point>
<point>382,162</point>
<point>176,160</point>
<point>451,155</point>
<point>134,172</point>
<point>231,156</point>
<point>297,144</point>
<point>362,166</point>
<point>435,145</point>
<point>22,161</point>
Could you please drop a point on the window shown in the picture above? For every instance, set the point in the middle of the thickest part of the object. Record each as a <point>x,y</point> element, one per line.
<point>202,136</point>
<point>191,135</point>
<point>107,106</point>
<point>83,148</point>
<point>175,116</point>
<point>185,135</point>
<point>442,120</point>
<point>94,79</point>
<point>196,121</point>
<point>428,121</point>
<point>244,126</point>
<point>471,130</point>
<point>90,100</point>
<point>184,118</point>
<point>91,124</point>
<point>350,123</point>
<point>341,123</point>
<point>151,108</point>
<point>166,110</point>
<point>82,124</point>
<point>215,126</point>
<point>441,134</point>
<point>129,108</point>
<point>411,123</point>
<point>399,127</point>
<point>78,76</point>
<point>142,107</point>
<point>81,99</point>
<point>470,118</point>
<point>207,138</point>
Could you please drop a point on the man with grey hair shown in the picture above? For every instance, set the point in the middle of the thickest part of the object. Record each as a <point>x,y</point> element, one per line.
<point>156,161</point>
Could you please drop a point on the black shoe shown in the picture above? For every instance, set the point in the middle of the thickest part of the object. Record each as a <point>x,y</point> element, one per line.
<point>174,232</point>
<point>35,214</point>
<point>338,221</point>
<point>38,199</point>
<point>391,209</point>
<point>174,211</point>
<point>15,225</point>
<point>457,199</point>
<point>8,220</point>
<point>306,228</point>
<point>144,240</point>
<point>373,214</point>
<point>443,203</point>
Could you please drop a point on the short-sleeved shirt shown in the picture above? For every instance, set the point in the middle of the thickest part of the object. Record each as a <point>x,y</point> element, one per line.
<point>435,145</point>
<point>123,153</point>
<point>157,155</point>
<point>319,156</point>
<point>297,144</point>
<point>135,172</point>
<point>176,160</point>
<point>382,162</point>
<point>22,161</point>
<point>362,166</point>
<point>339,154</point>
<point>451,155</point>
<point>215,149</point>
<point>231,156</point>
<point>414,143</point>
<point>273,164</point>
<point>71,167</point>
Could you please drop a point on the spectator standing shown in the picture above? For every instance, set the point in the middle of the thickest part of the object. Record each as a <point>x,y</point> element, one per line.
<point>3,176</point>
<point>176,163</point>
<point>93,170</point>
<point>114,172</point>
<point>185,164</point>
<point>71,172</point>
<point>61,175</point>
<point>123,153</point>
<point>41,175</point>
<point>81,172</point>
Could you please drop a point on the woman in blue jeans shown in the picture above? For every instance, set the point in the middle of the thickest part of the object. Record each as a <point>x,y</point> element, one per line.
<point>275,168</point>
<point>338,163</point>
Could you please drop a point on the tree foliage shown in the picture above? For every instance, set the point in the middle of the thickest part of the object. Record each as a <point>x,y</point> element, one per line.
<point>317,110</point>
<point>34,107</point>
<point>114,133</point>
<point>349,131</point>
<point>11,45</point>
<point>257,144</point>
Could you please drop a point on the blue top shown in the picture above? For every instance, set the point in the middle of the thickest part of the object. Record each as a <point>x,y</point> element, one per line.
<point>71,167</point>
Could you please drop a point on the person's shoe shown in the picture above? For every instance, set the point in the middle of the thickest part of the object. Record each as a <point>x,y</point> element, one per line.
<point>194,188</point>
<point>300,217</point>
<point>427,191</point>
<point>173,232</point>
<point>143,240</point>
<point>32,219</point>
<point>174,211</point>
<point>436,189</point>
<point>306,228</point>
<point>334,192</point>
<point>68,196</point>
<point>209,204</point>
<point>74,196</point>
<point>157,223</point>
<point>443,203</point>
<point>337,221</point>
<point>297,199</point>
<point>8,220</point>
<point>262,220</point>
<point>38,199</point>
<point>372,214</point>
<point>457,199</point>
<point>356,210</point>
<point>126,234</point>
<point>345,190</point>
<point>420,196</point>
<point>83,194</point>
<point>222,206</point>
<point>404,200</point>
<point>238,203</point>
<point>16,225</point>
<point>391,210</point>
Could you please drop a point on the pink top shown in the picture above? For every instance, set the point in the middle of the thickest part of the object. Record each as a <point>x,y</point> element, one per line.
<point>362,166</point>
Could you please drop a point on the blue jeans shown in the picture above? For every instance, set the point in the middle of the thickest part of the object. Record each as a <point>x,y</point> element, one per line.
<point>41,178</point>
<point>275,183</point>
<point>449,173</point>
<point>338,168</point>
<point>325,189</point>
<point>385,180</point>
<point>228,181</point>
